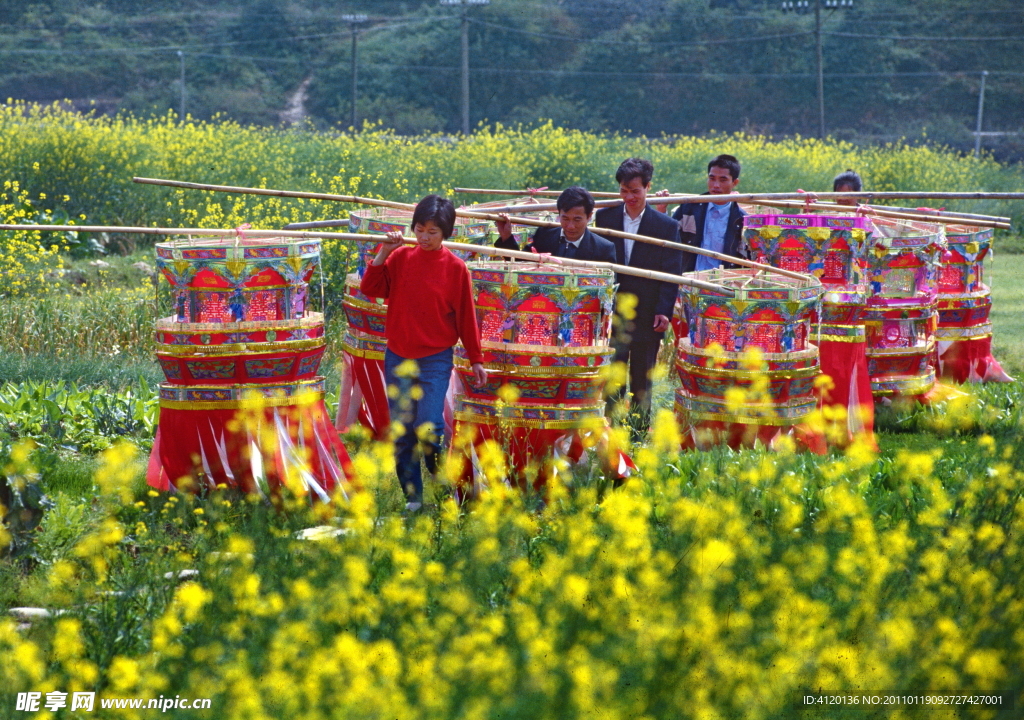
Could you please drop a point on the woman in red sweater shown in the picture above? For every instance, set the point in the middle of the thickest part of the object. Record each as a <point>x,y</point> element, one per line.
<point>430,308</point>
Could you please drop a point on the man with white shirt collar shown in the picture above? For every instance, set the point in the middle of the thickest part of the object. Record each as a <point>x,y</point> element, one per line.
<point>638,339</point>
<point>713,226</point>
<point>572,239</point>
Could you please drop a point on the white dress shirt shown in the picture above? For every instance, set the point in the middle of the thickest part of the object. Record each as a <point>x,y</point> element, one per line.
<point>630,225</point>
<point>574,243</point>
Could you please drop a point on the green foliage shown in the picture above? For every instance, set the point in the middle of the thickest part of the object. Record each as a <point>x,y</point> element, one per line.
<point>720,583</point>
<point>891,69</point>
<point>123,371</point>
<point>106,323</point>
<point>46,150</point>
<point>60,415</point>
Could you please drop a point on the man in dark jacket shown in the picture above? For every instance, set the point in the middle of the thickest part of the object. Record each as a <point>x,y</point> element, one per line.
<point>638,338</point>
<point>572,240</point>
<point>713,226</point>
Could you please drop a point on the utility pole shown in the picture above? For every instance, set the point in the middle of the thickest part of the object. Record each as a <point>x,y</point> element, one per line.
<point>804,6</point>
<point>464,4</point>
<point>981,113</point>
<point>354,20</point>
<point>181,82</point>
<point>821,71</point>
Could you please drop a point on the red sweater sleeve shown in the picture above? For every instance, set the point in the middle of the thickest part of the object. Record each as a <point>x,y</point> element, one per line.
<point>465,319</point>
<point>376,281</point>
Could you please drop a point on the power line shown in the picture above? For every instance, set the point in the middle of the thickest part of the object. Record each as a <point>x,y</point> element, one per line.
<point>709,76</point>
<point>746,39</point>
<point>599,41</point>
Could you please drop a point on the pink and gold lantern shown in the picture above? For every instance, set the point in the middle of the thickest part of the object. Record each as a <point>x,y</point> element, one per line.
<point>242,405</point>
<point>964,334</point>
<point>545,333</point>
<point>902,271</point>
<point>830,248</point>
<point>754,336</point>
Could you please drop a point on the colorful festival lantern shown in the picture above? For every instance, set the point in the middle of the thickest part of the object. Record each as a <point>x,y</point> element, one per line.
<point>830,248</point>
<point>964,334</point>
<point>747,368</point>
<point>242,404</point>
<point>363,394</point>
<point>900,319</point>
<point>545,337</point>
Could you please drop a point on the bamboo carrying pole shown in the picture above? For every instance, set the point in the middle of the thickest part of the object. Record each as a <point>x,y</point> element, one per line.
<point>803,197</point>
<point>895,214</point>
<point>900,213</point>
<point>465,213</point>
<point>356,237</point>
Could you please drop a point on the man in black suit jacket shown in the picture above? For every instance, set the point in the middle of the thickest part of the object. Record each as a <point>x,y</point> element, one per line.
<point>638,339</point>
<point>573,239</point>
<point>724,233</point>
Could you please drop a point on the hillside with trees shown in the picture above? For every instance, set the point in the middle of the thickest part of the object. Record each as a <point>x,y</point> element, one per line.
<point>890,68</point>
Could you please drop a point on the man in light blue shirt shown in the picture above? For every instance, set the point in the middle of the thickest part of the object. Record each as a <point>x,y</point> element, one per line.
<point>713,226</point>
<point>716,222</point>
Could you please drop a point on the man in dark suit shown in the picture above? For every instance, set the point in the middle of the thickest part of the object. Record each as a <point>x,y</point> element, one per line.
<point>572,240</point>
<point>638,338</point>
<point>713,226</point>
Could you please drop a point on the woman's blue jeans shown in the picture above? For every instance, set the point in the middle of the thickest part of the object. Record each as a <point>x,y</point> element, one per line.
<point>422,418</point>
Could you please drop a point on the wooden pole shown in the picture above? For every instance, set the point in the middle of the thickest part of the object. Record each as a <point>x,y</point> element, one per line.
<point>274,193</point>
<point>882,211</point>
<point>802,197</point>
<point>945,213</point>
<point>469,214</point>
<point>517,193</point>
<point>654,200</point>
<point>877,210</point>
<point>357,237</point>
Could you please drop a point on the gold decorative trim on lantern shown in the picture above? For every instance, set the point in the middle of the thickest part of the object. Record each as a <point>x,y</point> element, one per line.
<point>463,416</point>
<point>837,332</point>
<point>170,325</point>
<point>978,332</point>
<point>809,353</point>
<point>915,350</point>
<point>364,305</point>
<point>247,403</point>
<point>250,349</point>
<point>903,384</point>
<point>361,353</point>
<point>750,374</point>
<point>545,350</point>
<point>685,414</point>
<point>583,372</point>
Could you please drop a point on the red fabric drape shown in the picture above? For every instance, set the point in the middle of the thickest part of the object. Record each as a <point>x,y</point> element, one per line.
<point>705,434</point>
<point>253,451</point>
<point>362,396</point>
<point>847,365</point>
<point>530,453</point>
<point>969,360</point>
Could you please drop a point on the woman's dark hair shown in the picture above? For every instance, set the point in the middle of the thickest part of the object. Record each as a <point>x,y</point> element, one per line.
<point>438,209</point>
<point>575,197</point>
<point>726,162</point>
<point>849,178</point>
<point>635,168</point>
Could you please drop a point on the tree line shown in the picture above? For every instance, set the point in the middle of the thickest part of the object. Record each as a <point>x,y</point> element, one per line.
<point>891,68</point>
